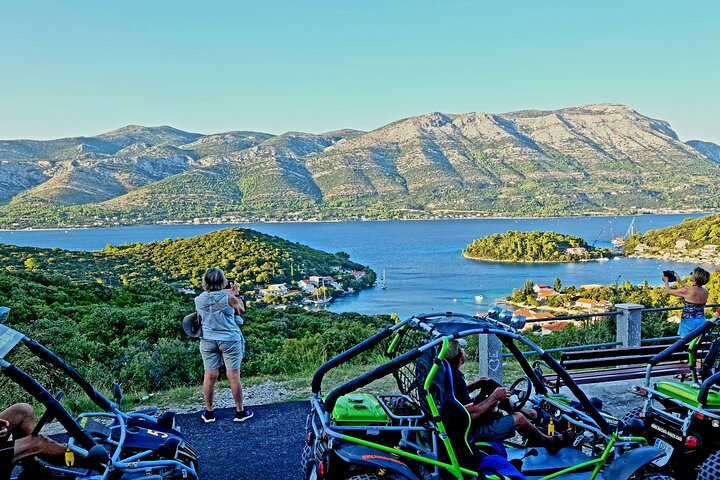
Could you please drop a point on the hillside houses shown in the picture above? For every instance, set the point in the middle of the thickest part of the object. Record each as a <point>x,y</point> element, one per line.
<point>589,303</point>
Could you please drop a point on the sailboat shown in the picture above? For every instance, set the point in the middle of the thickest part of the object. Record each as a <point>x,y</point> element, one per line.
<point>383,282</point>
<point>320,301</point>
<point>619,241</point>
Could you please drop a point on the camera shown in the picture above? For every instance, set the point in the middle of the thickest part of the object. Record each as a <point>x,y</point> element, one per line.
<point>670,275</point>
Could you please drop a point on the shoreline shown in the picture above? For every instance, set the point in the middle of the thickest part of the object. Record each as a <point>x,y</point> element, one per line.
<point>439,217</point>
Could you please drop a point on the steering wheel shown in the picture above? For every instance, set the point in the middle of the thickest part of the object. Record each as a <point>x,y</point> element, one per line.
<point>522,388</point>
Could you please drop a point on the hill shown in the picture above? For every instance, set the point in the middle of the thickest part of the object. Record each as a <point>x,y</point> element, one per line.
<point>532,247</point>
<point>692,240</point>
<point>603,158</point>
<point>249,257</point>
<point>116,314</point>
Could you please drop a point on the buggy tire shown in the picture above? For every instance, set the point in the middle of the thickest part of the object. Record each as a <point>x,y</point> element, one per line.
<point>306,462</point>
<point>364,476</point>
<point>710,468</point>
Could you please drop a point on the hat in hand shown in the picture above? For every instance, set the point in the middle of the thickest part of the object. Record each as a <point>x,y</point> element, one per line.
<point>192,325</point>
<point>454,347</point>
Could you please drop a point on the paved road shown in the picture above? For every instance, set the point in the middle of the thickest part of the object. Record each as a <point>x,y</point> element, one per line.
<point>266,447</point>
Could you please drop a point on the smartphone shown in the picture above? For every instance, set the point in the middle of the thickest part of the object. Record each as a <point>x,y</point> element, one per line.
<point>670,275</point>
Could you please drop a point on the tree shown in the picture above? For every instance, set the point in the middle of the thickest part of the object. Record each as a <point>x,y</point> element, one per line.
<point>31,264</point>
<point>557,285</point>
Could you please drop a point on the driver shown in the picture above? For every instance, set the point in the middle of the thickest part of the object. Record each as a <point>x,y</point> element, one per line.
<point>19,421</point>
<point>487,426</point>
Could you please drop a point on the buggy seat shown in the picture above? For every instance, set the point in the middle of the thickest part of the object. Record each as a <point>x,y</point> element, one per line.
<point>687,393</point>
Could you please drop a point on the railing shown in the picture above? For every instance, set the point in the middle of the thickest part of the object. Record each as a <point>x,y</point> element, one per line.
<point>628,334</point>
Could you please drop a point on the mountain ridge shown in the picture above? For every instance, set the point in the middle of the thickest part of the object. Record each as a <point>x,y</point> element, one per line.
<point>598,158</point>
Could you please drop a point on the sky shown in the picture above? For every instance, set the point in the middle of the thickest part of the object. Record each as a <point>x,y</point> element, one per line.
<point>72,68</point>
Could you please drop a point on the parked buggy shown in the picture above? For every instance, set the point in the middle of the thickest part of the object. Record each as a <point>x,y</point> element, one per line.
<point>419,429</point>
<point>683,417</point>
<point>112,444</point>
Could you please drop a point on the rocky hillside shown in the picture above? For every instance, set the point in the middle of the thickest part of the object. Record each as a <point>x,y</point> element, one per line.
<point>597,158</point>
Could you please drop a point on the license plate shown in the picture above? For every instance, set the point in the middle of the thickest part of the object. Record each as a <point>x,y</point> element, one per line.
<point>667,448</point>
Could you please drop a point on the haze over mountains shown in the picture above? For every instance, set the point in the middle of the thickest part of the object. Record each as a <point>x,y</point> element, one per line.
<point>602,158</point>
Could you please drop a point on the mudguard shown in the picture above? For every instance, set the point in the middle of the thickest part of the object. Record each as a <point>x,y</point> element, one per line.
<point>624,466</point>
<point>361,455</point>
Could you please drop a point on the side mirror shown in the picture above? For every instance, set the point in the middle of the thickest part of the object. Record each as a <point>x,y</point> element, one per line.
<point>117,394</point>
<point>505,317</point>
<point>494,312</point>
<point>4,312</point>
<point>518,322</point>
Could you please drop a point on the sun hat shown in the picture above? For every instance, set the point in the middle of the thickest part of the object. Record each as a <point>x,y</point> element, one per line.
<point>192,325</point>
<point>454,347</point>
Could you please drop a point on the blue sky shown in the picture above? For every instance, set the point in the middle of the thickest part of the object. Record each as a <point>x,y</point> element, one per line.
<point>72,67</point>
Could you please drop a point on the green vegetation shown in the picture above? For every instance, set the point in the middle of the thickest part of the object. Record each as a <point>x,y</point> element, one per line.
<point>698,232</point>
<point>532,247</point>
<point>131,333</point>
<point>248,257</point>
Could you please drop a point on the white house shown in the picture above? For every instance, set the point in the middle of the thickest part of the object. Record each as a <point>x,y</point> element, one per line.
<point>682,244</point>
<point>306,285</point>
<point>576,251</point>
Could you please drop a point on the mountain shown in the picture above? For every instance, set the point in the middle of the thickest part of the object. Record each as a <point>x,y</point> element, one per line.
<point>603,158</point>
<point>709,149</point>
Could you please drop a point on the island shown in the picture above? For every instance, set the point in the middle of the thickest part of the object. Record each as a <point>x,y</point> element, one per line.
<point>527,247</point>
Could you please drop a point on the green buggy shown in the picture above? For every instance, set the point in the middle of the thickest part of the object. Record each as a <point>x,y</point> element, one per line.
<point>419,430</point>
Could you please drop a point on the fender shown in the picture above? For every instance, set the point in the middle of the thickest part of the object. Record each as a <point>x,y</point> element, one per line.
<point>371,457</point>
<point>624,466</point>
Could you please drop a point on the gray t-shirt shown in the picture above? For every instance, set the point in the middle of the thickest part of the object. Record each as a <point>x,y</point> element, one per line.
<point>217,316</point>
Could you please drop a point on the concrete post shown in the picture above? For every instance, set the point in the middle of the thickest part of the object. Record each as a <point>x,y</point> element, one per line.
<point>490,352</point>
<point>629,320</point>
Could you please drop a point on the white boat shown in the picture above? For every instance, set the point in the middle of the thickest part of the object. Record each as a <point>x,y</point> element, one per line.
<point>603,259</point>
<point>383,282</point>
<point>317,300</point>
<point>479,298</point>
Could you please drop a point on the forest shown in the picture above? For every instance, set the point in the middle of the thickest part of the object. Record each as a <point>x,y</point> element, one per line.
<point>515,246</point>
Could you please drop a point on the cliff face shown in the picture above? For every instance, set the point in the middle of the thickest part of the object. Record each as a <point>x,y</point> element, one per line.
<point>594,158</point>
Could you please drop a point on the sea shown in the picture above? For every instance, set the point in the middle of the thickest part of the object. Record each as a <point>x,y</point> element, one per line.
<point>424,269</point>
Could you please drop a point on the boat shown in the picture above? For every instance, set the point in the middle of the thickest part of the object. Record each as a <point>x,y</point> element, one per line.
<point>603,259</point>
<point>619,241</point>
<point>479,298</point>
<point>383,282</point>
<point>317,300</point>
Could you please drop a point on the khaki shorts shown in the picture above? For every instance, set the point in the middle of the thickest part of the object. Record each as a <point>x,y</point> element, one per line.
<point>218,352</point>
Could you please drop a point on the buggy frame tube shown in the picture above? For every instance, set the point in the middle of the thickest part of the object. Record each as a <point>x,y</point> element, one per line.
<point>39,393</point>
<point>351,353</point>
<point>50,357</point>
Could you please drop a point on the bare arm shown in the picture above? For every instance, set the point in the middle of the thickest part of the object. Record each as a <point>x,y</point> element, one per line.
<point>680,292</point>
<point>476,411</point>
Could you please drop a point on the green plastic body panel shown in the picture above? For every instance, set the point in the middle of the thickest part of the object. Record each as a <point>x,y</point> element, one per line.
<point>688,394</point>
<point>359,409</point>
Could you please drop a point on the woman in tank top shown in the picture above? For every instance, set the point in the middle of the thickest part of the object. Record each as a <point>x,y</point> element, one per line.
<point>694,298</point>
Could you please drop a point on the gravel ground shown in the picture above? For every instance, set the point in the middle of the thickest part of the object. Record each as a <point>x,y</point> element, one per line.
<point>265,447</point>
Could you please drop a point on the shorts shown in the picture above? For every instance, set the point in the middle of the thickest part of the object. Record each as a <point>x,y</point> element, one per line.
<point>687,325</point>
<point>495,431</point>
<point>218,352</point>
<point>7,452</point>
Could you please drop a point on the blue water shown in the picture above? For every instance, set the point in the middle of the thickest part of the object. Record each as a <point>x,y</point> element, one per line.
<point>424,268</point>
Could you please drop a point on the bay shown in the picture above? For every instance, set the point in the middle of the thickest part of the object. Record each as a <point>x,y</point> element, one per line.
<point>422,259</point>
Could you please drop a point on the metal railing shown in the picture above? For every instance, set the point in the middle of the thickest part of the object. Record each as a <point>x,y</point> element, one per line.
<point>592,316</point>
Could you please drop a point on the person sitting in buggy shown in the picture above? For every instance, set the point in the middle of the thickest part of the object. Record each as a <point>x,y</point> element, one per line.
<point>18,422</point>
<point>488,424</point>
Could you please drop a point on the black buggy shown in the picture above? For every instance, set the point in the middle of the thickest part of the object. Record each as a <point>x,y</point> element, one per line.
<point>683,418</point>
<point>419,429</point>
<point>113,444</point>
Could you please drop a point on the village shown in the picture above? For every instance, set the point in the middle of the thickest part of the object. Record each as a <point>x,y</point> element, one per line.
<point>681,252</point>
<point>548,302</point>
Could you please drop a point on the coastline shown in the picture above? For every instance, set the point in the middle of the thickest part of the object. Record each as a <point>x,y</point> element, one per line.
<point>436,217</point>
